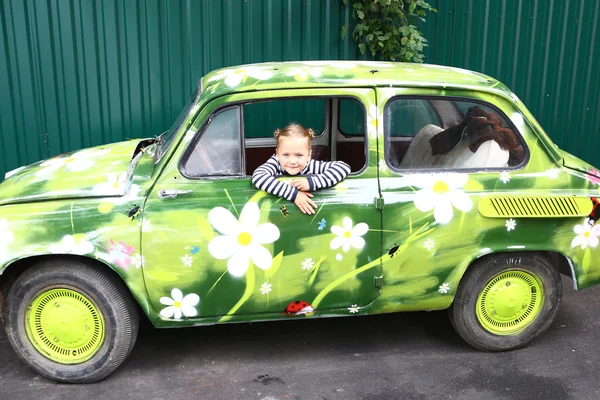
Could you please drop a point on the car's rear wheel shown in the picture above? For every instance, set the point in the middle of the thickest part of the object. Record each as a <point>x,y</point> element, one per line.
<point>71,322</point>
<point>505,301</point>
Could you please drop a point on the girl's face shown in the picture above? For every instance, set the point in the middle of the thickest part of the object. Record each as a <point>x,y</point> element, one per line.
<point>293,153</point>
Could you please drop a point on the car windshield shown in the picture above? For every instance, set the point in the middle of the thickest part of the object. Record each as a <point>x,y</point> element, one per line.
<point>165,139</point>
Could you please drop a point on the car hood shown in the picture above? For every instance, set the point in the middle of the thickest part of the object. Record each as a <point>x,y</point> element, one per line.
<point>103,171</point>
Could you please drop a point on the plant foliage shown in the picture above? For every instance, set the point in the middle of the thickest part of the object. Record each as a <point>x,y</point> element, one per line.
<point>387,28</point>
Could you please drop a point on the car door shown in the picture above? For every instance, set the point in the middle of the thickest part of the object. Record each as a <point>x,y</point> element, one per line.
<point>431,182</point>
<point>219,247</point>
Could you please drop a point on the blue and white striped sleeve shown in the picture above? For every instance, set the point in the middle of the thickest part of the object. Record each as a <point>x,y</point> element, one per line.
<point>325,174</point>
<point>264,179</point>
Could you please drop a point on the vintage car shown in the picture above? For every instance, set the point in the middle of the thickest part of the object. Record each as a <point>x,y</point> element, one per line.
<point>457,200</point>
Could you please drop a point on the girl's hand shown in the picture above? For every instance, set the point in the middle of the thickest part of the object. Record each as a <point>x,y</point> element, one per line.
<point>301,184</point>
<point>304,203</point>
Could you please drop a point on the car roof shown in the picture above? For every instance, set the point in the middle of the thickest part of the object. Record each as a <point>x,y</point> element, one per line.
<point>321,74</point>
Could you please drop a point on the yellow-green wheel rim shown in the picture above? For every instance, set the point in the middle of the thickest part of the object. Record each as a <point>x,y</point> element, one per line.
<point>510,302</point>
<point>65,326</point>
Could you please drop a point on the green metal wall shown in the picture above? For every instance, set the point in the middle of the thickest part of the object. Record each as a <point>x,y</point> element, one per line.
<point>77,73</point>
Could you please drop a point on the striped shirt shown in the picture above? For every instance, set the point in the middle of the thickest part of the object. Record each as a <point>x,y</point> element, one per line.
<point>320,174</point>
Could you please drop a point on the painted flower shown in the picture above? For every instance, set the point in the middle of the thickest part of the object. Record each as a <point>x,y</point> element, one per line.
<point>353,308</point>
<point>594,176</point>
<point>145,224</point>
<point>444,288</point>
<point>302,73</point>
<point>233,77</point>
<point>241,241</point>
<point>504,176</point>
<point>187,260</point>
<point>189,135</point>
<point>138,260</point>
<point>265,288</point>
<point>510,224</point>
<point>429,244</point>
<point>116,184</point>
<point>76,162</point>
<point>322,224</point>
<point>373,119</point>
<point>587,235</point>
<point>440,192</point>
<point>179,305</point>
<point>382,166</point>
<point>6,237</point>
<point>553,173</point>
<point>120,253</point>
<point>348,236</point>
<point>69,245</point>
<point>307,264</point>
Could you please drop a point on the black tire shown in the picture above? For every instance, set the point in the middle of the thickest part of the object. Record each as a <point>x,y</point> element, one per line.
<point>489,272</point>
<point>110,298</point>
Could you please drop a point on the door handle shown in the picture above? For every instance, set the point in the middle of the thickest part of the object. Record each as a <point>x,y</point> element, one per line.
<point>171,193</point>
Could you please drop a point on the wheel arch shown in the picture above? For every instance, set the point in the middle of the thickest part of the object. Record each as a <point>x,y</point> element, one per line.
<point>14,269</point>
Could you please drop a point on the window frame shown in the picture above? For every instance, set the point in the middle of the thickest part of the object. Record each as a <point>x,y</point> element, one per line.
<point>453,99</point>
<point>199,133</point>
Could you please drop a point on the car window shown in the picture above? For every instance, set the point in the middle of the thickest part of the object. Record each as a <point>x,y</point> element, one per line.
<point>217,151</point>
<point>262,118</point>
<point>477,136</point>
<point>351,118</point>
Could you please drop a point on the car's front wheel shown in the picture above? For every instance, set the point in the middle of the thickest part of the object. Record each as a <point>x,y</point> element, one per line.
<point>69,321</point>
<point>506,300</point>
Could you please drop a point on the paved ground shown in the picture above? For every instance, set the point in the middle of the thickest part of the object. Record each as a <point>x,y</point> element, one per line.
<point>396,356</point>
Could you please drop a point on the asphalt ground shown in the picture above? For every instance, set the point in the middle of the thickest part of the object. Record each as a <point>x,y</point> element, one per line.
<point>394,356</point>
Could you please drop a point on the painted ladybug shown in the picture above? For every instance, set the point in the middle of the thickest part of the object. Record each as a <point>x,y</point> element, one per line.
<point>298,308</point>
<point>595,214</point>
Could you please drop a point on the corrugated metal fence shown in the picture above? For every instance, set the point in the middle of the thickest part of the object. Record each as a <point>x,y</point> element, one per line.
<point>77,73</point>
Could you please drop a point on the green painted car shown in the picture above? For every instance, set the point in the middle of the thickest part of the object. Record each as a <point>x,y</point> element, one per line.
<point>457,200</point>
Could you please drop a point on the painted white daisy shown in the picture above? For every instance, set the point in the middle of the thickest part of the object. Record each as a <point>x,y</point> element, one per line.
<point>137,260</point>
<point>304,72</point>
<point>307,264</point>
<point>187,260</point>
<point>6,237</point>
<point>587,235</point>
<point>444,288</point>
<point>265,288</point>
<point>510,224</point>
<point>189,135</point>
<point>504,176</point>
<point>241,241</point>
<point>440,192</point>
<point>429,244</point>
<point>70,245</point>
<point>233,77</point>
<point>373,119</point>
<point>116,185</point>
<point>353,308</point>
<point>382,166</point>
<point>76,162</point>
<point>145,224</point>
<point>348,236</point>
<point>553,173</point>
<point>179,305</point>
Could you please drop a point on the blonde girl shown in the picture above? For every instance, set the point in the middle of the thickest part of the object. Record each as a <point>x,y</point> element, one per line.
<point>292,157</point>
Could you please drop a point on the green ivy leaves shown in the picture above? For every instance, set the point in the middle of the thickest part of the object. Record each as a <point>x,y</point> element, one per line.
<point>385,28</point>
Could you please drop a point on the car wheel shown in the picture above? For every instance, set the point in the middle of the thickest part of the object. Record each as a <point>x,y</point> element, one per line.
<point>71,322</point>
<point>505,301</point>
